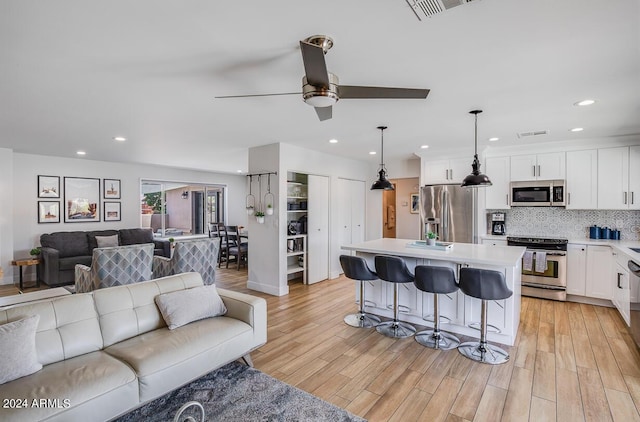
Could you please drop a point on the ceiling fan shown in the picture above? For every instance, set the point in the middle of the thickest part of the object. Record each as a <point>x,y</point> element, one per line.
<point>320,88</point>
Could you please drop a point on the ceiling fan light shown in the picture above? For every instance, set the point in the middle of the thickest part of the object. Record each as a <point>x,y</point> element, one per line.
<point>321,101</point>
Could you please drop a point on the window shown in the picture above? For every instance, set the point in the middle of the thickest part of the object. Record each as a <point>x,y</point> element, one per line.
<point>175,209</point>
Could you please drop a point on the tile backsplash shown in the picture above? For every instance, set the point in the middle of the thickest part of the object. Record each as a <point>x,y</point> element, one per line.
<point>570,224</point>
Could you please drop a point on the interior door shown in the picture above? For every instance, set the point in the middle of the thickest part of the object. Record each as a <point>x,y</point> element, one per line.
<point>318,229</point>
<point>358,193</point>
<point>389,213</point>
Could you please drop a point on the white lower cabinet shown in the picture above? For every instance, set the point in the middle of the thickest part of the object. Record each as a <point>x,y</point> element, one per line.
<point>621,291</point>
<point>494,242</point>
<point>576,269</point>
<point>599,269</point>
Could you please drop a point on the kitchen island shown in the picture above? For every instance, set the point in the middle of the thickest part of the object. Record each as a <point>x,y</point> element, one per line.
<point>460,310</point>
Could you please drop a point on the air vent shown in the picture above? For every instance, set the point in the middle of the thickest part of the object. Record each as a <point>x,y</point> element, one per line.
<point>428,8</point>
<point>532,133</point>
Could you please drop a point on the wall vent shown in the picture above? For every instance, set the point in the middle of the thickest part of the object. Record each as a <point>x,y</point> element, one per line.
<point>532,133</point>
<point>428,8</point>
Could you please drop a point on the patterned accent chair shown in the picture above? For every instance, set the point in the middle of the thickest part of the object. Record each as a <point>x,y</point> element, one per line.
<point>194,255</point>
<point>115,266</point>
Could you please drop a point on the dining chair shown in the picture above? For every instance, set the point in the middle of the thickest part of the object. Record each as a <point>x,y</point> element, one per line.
<point>235,247</point>
<point>219,231</point>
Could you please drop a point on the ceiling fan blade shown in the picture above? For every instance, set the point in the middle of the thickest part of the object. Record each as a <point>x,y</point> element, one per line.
<point>258,95</point>
<point>350,91</point>
<point>315,67</point>
<point>324,113</point>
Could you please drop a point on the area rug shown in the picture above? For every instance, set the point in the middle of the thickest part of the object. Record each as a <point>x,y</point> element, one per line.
<point>237,392</point>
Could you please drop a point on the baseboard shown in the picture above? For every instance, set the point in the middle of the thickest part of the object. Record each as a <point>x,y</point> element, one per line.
<point>590,300</point>
<point>268,289</point>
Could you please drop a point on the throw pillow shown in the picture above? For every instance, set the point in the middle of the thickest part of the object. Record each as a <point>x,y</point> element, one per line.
<point>107,241</point>
<point>185,306</point>
<point>18,349</point>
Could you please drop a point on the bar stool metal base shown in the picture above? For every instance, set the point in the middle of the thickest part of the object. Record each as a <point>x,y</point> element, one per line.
<point>441,340</point>
<point>361,320</point>
<point>484,353</point>
<point>396,329</point>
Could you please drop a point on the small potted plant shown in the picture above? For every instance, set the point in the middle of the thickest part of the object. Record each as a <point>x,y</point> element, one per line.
<point>250,210</point>
<point>431,238</point>
<point>35,252</point>
<point>269,209</point>
<point>260,217</point>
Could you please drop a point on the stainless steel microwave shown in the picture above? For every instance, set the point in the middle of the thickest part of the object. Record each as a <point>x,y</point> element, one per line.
<point>539,193</point>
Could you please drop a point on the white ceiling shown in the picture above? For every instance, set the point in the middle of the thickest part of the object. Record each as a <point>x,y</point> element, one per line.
<point>76,73</point>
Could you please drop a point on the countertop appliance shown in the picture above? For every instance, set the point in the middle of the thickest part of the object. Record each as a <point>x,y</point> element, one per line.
<point>540,193</point>
<point>498,224</point>
<point>448,211</point>
<point>548,279</point>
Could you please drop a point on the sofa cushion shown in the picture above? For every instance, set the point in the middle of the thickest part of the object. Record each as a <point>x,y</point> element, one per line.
<point>185,306</point>
<point>70,262</point>
<point>91,387</point>
<point>163,359</point>
<point>135,236</point>
<point>18,349</point>
<point>130,310</point>
<point>93,243</point>
<point>107,241</point>
<point>67,243</point>
<point>68,326</point>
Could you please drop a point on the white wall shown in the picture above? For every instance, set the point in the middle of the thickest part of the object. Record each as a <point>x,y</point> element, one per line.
<point>6,214</point>
<point>26,168</point>
<point>267,260</point>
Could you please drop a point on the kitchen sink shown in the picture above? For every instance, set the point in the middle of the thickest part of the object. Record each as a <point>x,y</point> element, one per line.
<point>636,250</point>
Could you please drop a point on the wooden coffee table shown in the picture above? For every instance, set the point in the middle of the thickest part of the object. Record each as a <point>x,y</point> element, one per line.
<point>27,262</point>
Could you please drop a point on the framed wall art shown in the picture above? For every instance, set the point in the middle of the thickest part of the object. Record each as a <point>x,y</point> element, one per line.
<point>415,203</point>
<point>112,211</point>
<point>81,199</point>
<point>111,188</point>
<point>48,186</point>
<point>48,212</point>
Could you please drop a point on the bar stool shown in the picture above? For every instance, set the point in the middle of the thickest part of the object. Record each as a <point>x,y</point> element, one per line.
<point>485,285</point>
<point>394,270</point>
<point>436,280</point>
<point>356,268</point>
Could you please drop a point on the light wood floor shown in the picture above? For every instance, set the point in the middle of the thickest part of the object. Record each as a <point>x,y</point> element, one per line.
<point>571,362</point>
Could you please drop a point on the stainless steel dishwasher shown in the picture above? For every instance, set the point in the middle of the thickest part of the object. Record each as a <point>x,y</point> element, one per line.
<point>634,282</point>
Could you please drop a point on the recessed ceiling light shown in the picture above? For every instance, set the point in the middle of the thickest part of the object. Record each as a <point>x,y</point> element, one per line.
<point>576,129</point>
<point>81,153</point>
<point>119,139</point>
<point>494,139</point>
<point>333,141</point>
<point>372,153</point>
<point>239,171</point>
<point>424,146</point>
<point>584,103</point>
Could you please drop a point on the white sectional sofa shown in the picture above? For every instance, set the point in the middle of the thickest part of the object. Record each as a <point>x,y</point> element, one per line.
<point>108,351</point>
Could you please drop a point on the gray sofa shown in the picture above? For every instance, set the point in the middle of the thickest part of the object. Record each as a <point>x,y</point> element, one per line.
<point>109,351</point>
<point>61,251</point>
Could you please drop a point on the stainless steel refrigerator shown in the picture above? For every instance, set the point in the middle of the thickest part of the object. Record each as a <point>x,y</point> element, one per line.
<point>448,210</point>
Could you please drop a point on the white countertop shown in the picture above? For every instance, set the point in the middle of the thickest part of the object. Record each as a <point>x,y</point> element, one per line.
<point>504,256</point>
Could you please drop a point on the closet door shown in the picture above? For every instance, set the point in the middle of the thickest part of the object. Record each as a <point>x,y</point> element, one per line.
<point>357,200</point>
<point>318,229</point>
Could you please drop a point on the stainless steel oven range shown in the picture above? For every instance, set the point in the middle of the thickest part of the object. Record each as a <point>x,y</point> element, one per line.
<point>544,267</point>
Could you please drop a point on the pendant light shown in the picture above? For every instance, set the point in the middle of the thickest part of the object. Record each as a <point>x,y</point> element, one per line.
<point>476,179</point>
<point>382,183</point>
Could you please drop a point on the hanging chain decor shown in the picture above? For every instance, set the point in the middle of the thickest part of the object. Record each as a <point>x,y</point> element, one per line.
<point>251,200</point>
<point>269,198</point>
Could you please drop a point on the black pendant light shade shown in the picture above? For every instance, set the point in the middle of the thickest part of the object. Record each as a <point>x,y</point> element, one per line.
<point>476,179</point>
<point>382,183</point>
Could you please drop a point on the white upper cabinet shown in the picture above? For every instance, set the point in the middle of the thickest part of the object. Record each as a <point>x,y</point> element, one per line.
<point>498,170</point>
<point>446,171</point>
<point>550,166</point>
<point>582,180</point>
<point>619,178</point>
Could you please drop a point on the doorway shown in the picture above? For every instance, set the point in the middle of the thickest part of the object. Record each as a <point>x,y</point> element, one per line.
<point>389,213</point>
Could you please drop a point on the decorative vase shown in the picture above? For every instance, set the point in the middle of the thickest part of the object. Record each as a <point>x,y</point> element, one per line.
<point>431,242</point>
<point>260,220</point>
